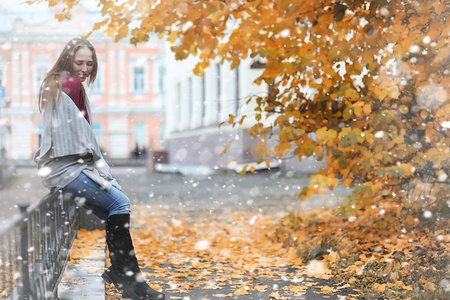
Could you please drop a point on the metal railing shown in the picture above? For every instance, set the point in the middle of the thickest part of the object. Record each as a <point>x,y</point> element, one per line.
<point>35,247</point>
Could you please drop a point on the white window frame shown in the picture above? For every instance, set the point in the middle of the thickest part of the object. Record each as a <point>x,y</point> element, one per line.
<point>43,62</point>
<point>190,101</point>
<point>139,62</point>
<point>99,84</point>
<point>138,79</point>
<point>2,76</point>
<point>37,77</point>
<point>140,134</point>
<point>3,80</point>
<point>158,76</point>
<point>177,106</point>
<point>203,104</point>
<point>234,90</point>
<point>218,91</point>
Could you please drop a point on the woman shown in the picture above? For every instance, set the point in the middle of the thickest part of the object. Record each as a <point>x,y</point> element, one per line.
<point>70,159</point>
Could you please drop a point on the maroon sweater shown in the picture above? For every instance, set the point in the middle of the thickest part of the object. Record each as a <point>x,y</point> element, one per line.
<point>73,88</point>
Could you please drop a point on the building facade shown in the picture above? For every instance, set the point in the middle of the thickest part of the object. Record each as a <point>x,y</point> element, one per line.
<point>125,99</point>
<point>195,106</point>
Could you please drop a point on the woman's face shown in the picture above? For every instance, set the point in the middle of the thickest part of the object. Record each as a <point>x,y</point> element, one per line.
<point>82,63</point>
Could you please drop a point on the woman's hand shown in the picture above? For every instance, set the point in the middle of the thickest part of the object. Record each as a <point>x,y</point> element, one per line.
<point>96,172</point>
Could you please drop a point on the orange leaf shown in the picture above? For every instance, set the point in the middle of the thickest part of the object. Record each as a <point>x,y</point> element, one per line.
<point>223,295</point>
<point>261,288</point>
<point>241,292</point>
<point>441,95</point>
<point>276,295</point>
<point>380,287</point>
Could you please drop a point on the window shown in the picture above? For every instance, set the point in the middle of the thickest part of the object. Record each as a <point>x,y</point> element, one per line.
<point>178,105</point>
<point>97,86</point>
<point>234,82</point>
<point>219,91</point>
<point>41,64</point>
<point>162,72</point>
<point>41,71</point>
<point>158,77</point>
<point>140,137</point>
<point>4,100</point>
<point>97,128</point>
<point>190,101</point>
<point>2,80</point>
<point>118,136</point>
<point>238,91</point>
<point>2,85</point>
<point>203,101</point>
<point>262,65</point>
<point>138,79</point>
<point>139,68</point>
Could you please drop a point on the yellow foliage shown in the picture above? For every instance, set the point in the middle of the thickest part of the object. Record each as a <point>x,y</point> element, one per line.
<point>389,118</point>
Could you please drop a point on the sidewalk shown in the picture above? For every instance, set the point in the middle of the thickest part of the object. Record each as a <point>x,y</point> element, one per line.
<point>82,280</point>
<point>170,208</point>
<point>194,271</point>
<point>82,276</point>
<point>167,200</point>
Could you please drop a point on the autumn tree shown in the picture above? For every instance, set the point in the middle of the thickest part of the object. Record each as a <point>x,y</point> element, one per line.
<point>378,70</point>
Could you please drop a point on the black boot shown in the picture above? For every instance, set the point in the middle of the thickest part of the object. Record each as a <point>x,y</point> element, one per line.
<point>124,272</point>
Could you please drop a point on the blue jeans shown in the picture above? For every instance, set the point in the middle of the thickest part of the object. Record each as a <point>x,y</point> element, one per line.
<point>101,202</point>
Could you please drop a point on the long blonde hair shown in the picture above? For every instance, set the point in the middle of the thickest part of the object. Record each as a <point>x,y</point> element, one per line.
<point>50,90</point>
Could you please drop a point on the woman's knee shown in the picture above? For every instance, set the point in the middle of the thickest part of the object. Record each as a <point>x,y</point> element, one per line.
<point>122,204</point>
<point>125,203</point>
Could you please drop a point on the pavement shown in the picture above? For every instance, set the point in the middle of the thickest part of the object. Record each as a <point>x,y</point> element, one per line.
<point>83,279</point>
<point>268,191</point>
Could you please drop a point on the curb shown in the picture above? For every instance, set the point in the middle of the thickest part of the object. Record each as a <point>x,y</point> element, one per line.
<point>82,280</point>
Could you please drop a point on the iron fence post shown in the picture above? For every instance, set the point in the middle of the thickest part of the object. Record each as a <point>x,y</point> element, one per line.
<point>26,291</point>
<point>35,247</point>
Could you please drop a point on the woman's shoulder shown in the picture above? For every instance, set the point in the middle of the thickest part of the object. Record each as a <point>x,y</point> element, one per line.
<point>72,87</point>
<point>70,82</point>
